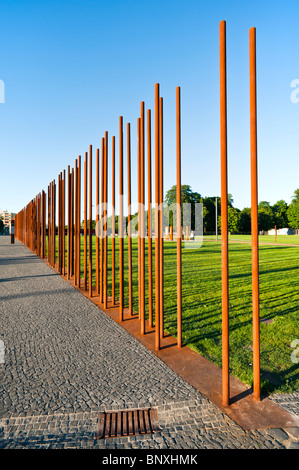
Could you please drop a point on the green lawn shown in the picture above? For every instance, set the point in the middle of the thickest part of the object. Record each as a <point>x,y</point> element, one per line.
<point>201,302</point>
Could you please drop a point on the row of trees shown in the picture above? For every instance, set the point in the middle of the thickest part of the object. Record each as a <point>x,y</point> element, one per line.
<point>280,214</point>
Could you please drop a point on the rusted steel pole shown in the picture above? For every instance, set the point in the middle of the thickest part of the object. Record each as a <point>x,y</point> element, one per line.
<point>254,215</point>
<point>102,221</point>
<point>106,224</point>
<point>97,223</point>
<point>85,221</point>
<point>90,222</point>
<point>120,222</point>
<point>178,228</point>
<point>79,220</point>
<point>63,222</point>
<point>75,225</point>
<point>54,224</point>
<point>149,220</point>
<point>68,223</point>
<point>113,220</point>
<point>43,224</point>
<point>38,223</point>
<point>224,217</point>
<point>49,225</point>
<point>59,224</point>
<point>129,219</point>
<point>161,216</point>
<point>142,240</point>
<point>72,222</point>
<point>157,224</point>
<point>139,217</point>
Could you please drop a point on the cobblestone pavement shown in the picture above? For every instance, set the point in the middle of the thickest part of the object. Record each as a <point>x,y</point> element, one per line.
<point>65,361</point>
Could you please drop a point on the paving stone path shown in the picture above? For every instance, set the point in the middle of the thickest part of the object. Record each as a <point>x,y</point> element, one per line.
<point>65,361</point>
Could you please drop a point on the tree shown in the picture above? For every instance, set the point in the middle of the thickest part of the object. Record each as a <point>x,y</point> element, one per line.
<point>1,225</point>
<point>187,197</point>
<point>265,216</point>
<point>245,220</point>
<point>293,214</point>
<point>233,219</point>
<point>280,214</point>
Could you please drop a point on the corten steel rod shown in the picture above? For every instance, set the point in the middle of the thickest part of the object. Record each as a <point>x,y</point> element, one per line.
<point>129,218</point>
<point>68,223</point>
<point>79,220</point>
<point>113,220</point>
<point>85,221</point>
<point>178,228</point>
<point>139,218</point>
<point>75,225</point>
<point>63,222</point>
<point>97,223</point>
<point>72,222</point>
<point>53,222</point>
<point>254,215</point>
<point>161,215</point>
<point>157,225</point>
<point>106,225</point>
<point>142,240</point>
<point>43,224</point>
<point>224,217</point>
<point>149,220</point>
<point>90,223</point>
<point>120,222</point>
<point>49,225</point>
<point>59,230</point>
<point>102,220</point>
<point>49,215</point>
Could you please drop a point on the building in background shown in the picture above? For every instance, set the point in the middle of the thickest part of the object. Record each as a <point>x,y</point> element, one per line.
<point>6,217</point>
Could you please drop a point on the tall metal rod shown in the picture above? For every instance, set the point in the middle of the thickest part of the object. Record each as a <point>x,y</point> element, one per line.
<point>43,224</point>
<point>129,218</point>
<point>85,220</point>
<point>157,224</point>
<point>139,217</point>
<point>59,223</point>
<point>90,223</point>
<point>68,222</point>
<point>72,222</point>
<point>54,223</point>
<point>120,223</point>
<point>224,217</point>
<point>161,216</point>
<point>178,228</point>
<point>106,224</point>
<point>79,220</point>
<point>254,215</point>
<point>101,218</point>
<point>49,225</point>
<point>76,224</point>
<point>149,221</point>
<point>113,221</point>
<point>63,222</point>
<point>97,222</point>
<point>142,240</point>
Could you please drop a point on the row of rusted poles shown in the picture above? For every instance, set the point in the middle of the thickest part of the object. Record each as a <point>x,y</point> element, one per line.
<point>224,216</point>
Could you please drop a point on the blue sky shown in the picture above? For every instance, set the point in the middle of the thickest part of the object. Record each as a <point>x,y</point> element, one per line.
<point>71,68</point>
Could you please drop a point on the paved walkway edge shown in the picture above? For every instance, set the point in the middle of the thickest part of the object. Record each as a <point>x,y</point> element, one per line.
<point>203,375</point>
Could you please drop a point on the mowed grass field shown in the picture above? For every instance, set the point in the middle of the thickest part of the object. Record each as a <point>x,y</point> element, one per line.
<point>201,304</point>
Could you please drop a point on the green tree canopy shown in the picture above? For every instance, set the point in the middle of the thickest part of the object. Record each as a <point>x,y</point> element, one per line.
<point>233,220</point>
<point>187,197</point>
<point>280,214</point>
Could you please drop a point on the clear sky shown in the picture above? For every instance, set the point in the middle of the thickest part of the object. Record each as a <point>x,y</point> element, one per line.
<point>71,68</point>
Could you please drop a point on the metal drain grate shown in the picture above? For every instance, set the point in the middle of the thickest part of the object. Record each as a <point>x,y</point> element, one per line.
<point>127,423</point>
